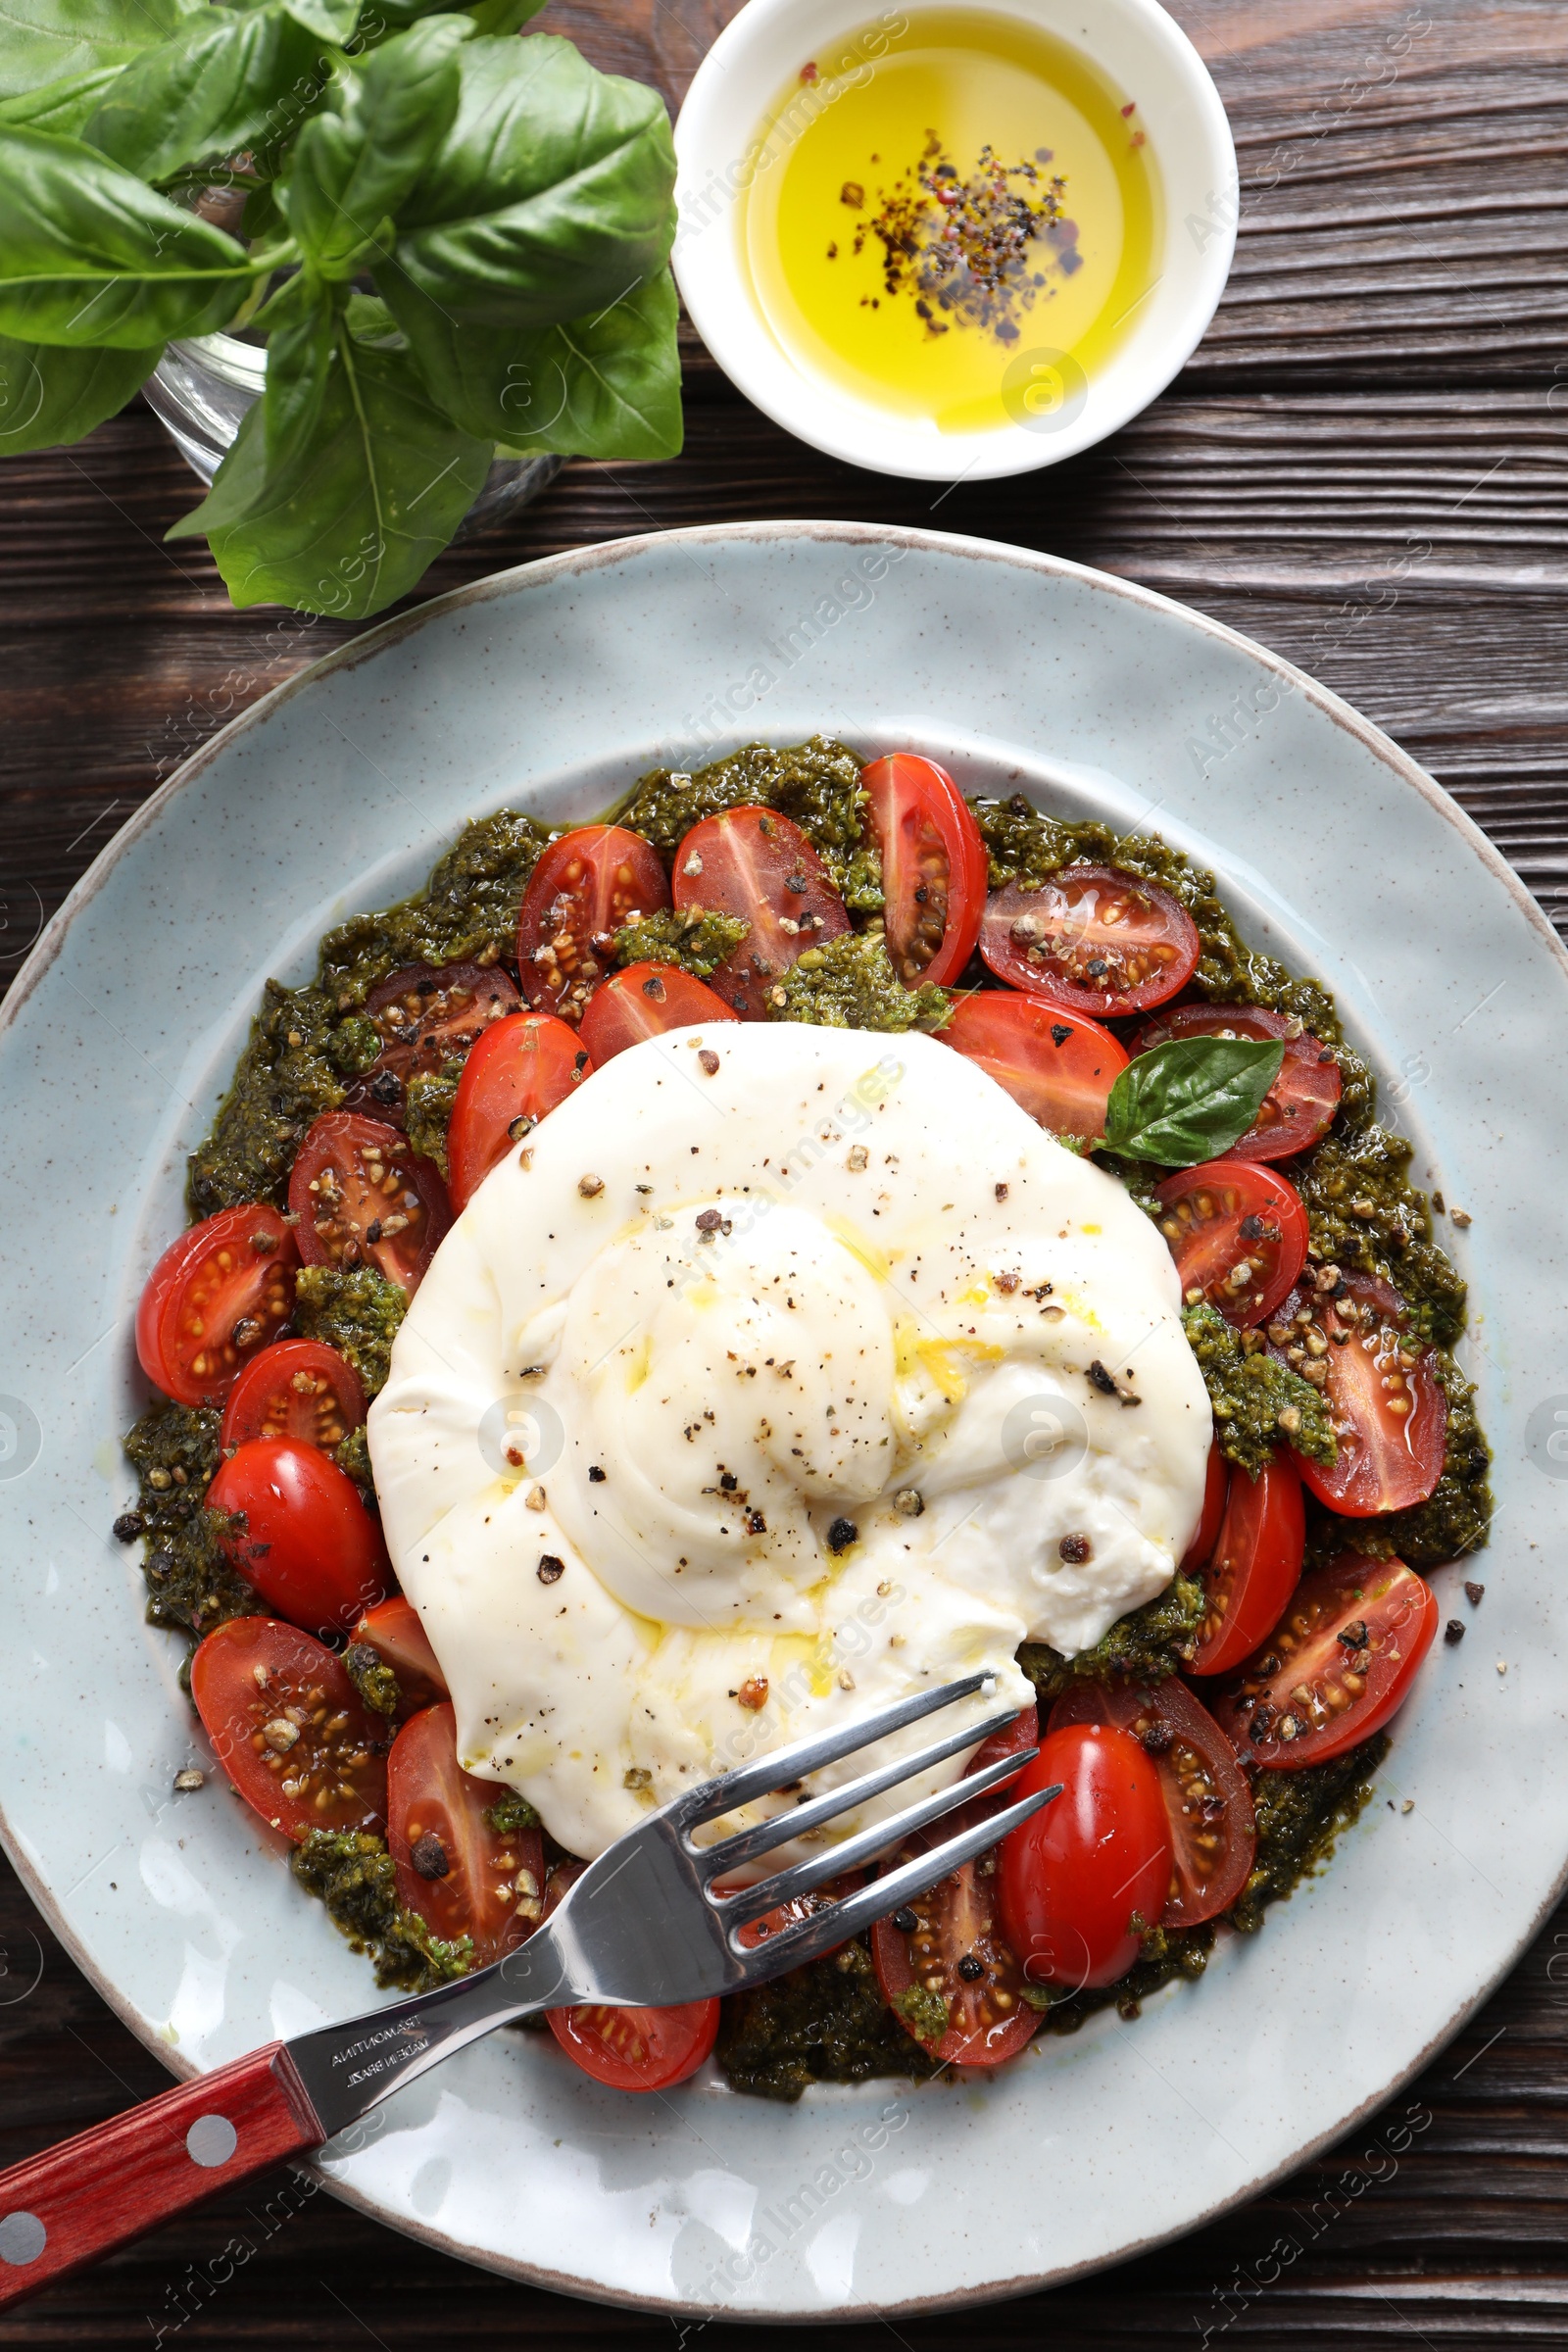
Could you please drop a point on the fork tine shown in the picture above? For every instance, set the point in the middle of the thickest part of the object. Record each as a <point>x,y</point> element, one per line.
<point>747,1844</point>
<point>752,1902</point>
<point>857,1911</point>
<point>786,1764</point>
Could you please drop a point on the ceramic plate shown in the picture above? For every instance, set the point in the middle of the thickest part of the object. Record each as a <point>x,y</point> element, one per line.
<point>548,689</point>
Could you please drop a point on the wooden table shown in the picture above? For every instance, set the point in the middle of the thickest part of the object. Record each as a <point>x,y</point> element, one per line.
<point>1366,466</point>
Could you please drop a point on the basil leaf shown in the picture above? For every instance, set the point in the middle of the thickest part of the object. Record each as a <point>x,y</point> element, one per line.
<point>497,17</point>
<point>225,82</point>
<point>1190,1099</point>
<point>300,351</point>
<point>348,173</point>
<point>551,194</point>
<point>49,40</point>
<point>49,395</point>
<point>61,107</point>
<point>329,20</point>
<point>351,516</point>
<point>90,255</point>
<point>606,386</point>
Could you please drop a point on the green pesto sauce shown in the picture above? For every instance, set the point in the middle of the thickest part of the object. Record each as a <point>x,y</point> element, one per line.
<point>509,1814</point>
<point>824,2023</point>
<point>693,939</point>
<point>373,1679</point>
<point>1249,1390</point>
<point>850,984</point>
<point>355,1877</point>
<point>1148,1645</point>
<point>1300,1815</point>
<point>815,784</point>
<point>355,1310</point>
<point>1368,1218</point>
<point>306,1042</point>
<point>428,1100</point>
<point>1164,1955</point>
<point>190,1586</point>
<point>353,1456</point>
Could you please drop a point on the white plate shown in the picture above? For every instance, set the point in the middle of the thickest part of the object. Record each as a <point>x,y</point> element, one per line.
<point>548,689</point>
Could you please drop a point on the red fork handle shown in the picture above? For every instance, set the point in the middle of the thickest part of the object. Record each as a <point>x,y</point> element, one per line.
<point>62,2210</point>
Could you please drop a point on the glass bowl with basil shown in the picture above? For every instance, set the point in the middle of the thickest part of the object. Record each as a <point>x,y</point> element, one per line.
<point>444,250</point>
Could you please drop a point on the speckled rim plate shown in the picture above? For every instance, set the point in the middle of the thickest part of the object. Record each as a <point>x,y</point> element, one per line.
<point>550,687</point>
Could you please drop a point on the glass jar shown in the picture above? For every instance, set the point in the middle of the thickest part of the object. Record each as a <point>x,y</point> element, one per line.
<point>201,390</point>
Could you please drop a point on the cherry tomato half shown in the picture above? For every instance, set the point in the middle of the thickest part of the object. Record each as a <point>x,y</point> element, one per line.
<point>1239,1236</point>
<point>363,1197</point>
<point>214,1300</point>
<point>426,1015</point>
<point>1075,1881</point>
<point>1254,1567</point>
<point>756,864</point>
<point>289,1728</point>
<point>463,1876</point>
<point>1385,1400</point>
<point>1340,1662</point>
<point>1299,1107</point>
<point>933,868</point>
<point>645,1000</point>
<point>1208,1804</point>
<point>1091,939</point>
<point>308,1543</point>
<point>1060,1066</point>
<point>798,1907</point>
<point>630,2049</point>
<point>948,1972</point>
<point>1216,1479</point>
<point>394,1631</point>
<point>584,888</point>
<point>517,1073</point>
<point>295,1389</point>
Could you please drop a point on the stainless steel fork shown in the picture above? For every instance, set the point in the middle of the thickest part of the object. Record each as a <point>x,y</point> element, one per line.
<point>643,1925</point>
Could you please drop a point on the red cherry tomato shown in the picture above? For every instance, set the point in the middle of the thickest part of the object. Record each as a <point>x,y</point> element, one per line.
<point>1091,939</point>
<point>798,1907</point>
<point>756,864</point>
<point>309,1545</point>
<point>463,1876</point>
<point>363,1197</point>
<point>585,888</point>
<point>1075,1881</point>
<point>214,1300</point>
<point>1239,1236</point>
<point>1255,1564</point>
<point>1385,1400</point>
<point>1215,1481</point>
<point>1338,1665</point>
<point>1208,1804</point>
<point>1299,1107</point>
<point>394,1631</point>
<point>630,2049</point>
<point>295,1389</point>
<point>948,1972</point>
<point>289,1729</point>
<point>519,1071</point>
<point>1058,1065</point>
<point>645,1000</point>
<point>426,1015</point>
<point>933,868</point>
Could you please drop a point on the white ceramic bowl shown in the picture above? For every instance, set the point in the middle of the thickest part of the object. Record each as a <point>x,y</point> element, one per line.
<point>1136,48</point>
<point>550,689</point>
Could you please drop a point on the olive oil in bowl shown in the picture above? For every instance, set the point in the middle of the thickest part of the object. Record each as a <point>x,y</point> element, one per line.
<point>956,222</point>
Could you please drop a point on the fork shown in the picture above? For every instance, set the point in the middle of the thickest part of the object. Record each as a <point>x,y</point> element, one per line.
<point>642,1926</point>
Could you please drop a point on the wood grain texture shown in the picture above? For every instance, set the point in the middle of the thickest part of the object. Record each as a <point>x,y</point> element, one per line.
<point>1366,465</point>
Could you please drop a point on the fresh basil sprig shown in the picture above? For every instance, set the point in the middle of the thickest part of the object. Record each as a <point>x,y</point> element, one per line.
<point>511,207</point>
<point>1190,1099</point>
